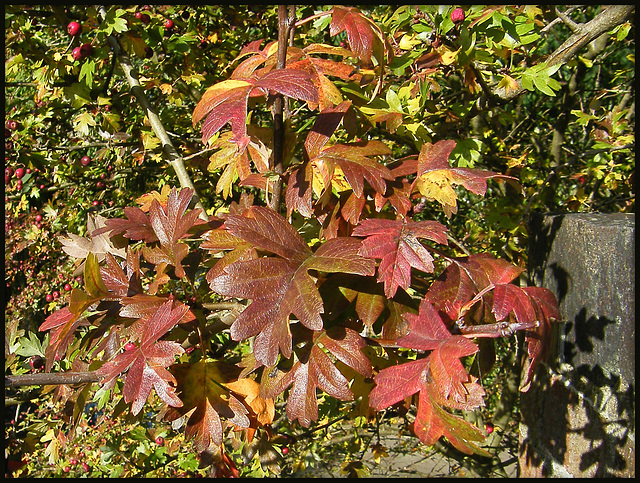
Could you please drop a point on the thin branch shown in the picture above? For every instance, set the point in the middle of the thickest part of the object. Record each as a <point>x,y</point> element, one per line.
<point>610,17</point>
<point>286,23</point>
<point>171,154</point>
<point>51,378</point>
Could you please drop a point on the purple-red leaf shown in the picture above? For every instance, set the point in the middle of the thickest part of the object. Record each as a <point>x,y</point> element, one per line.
<point>280,286</point>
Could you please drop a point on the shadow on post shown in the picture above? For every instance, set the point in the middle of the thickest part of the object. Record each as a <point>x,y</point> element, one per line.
<point>578,418</point>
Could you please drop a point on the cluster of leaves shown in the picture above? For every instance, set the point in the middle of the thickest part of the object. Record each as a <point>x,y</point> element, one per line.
<point>346,286</point>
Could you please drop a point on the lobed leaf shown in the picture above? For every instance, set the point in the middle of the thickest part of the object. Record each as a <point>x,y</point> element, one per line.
<point>396,243</point>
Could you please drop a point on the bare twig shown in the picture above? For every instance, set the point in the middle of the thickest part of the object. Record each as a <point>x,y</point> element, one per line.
<point>51,378</point>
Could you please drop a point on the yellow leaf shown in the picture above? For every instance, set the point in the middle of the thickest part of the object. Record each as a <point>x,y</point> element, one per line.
<point>437,185</point>
<point>250,389</point>
<point>338,180</point>
<point>509,83</point>
<point>166,88</point>
<point>449,57</point>
<point>163,198</point>
<point>407,42</point>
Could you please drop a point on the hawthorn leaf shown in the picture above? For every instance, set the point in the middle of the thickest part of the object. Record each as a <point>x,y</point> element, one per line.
<point>227,101</point>
<point>346,345</point>
<point>436,178</point>
<point>539,340</point>
<point>279,286</point>
<point>146,364</point>
<point>396,243</point>
<point>136,226</point>
<point>62,325</point>
<point>118,283</point>
<point>323,128</point>
<point>432,422</point>
<point>309,373</point>
<point>298,194</point>
<point>264,408</point>
<point>201,387</point>
<point>78,247</point>
<point>362,34</point>
<point>395,383</point>
<point>93,283</point>
<point>355,163</point>
<point>463,279</point>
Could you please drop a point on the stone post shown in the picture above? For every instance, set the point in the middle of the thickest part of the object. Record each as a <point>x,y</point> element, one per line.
<point>578,418</point>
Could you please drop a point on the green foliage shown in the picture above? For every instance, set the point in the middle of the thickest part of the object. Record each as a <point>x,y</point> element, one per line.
<point>345,247</point>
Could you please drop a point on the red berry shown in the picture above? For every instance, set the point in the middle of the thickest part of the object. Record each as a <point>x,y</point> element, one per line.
<point>48,297</point>
<point>99,185</point>
<point>489,427</point>
<point>85,467</point>
<point>37,362</point>
<point>67,469</point>
<point>76,53</point>
<point>457,15</point>
<point>73,461</point>
<point>74,28</point>
<point>95,202</point>
<point>55,294</point>
<point>285,450</point>
<point>168,24</point>
<point>19,173</point>
<point>86,50</point>
<point>145,18</point>
<point>129,346</point>
<point>38,217</point>
<point>12,124</point>
<point>160,440</point>
<point>67,287</point>
<point>138,15</point>
<point>85,161</point>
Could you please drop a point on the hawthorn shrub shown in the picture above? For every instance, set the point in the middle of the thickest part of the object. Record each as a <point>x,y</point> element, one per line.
<point>307,265</point>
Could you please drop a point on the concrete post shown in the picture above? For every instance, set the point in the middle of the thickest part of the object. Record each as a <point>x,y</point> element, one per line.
<point>578,418</point>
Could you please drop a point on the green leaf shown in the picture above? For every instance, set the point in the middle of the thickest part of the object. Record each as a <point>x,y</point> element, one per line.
<point>82,122</point>
<point>32,346</point>
<point>87,71</point>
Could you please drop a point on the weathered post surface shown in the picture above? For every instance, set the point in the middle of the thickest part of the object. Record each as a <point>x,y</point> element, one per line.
<point>578,418</point>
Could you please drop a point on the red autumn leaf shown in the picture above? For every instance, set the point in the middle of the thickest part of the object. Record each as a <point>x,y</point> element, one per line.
<point>62,324</point>
<point>299,189</point>
<point>321,69</point>
<point>166,224</point>
<point>363,35</point>
<point>461,281</point>
<point>396,243</point>
<point>323,128</point>
<point>436,178</point>
<point>280,286</point>
<point>440,379</point>
<point>298,194</point>
<point>206,400</point>
<point>432,422</point>
<point>136,226</point>
<point>539,340</point>
<point>119,283</point>
<point>145,366</point>
<point>227,101</point>
<point>315,370</point>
